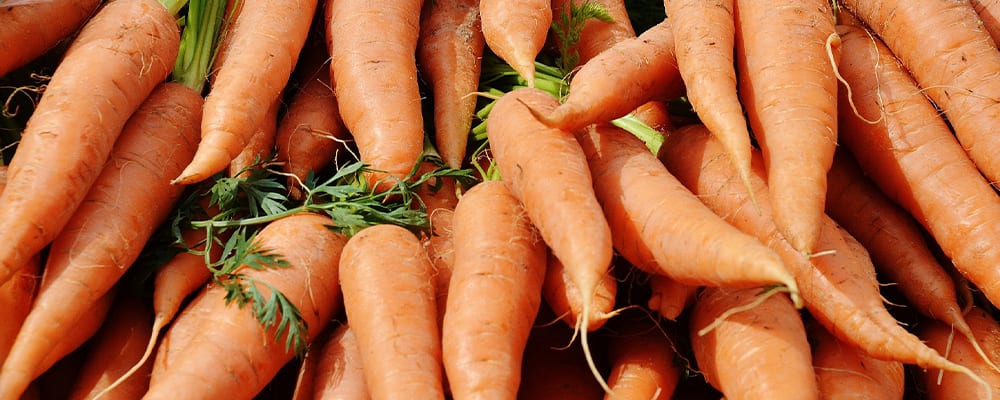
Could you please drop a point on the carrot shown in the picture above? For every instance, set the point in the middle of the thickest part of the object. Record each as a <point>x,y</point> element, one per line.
<point>914,158</point>
<point>670,298</point>
<point>554,368</point>
<point>264,42</point>
<point>844,372</point>
<point>386,279</point>
<point>115,348</point>
<point>305,378</point>
<point>788,87</point>
<point>243,352</point>
<point>771,332</point>
<point>28,31</point>
<point>839,289</point>
<point>382,77</point>
<point>260,146</point>
<point>955,66</point>
<point>128,200</point>
<point>704,37</point>
<point>498,255</point>
<point>596,35</point>
<point>618,80</point>
<point>449,52</point>
<point>563,297</point>
<point>959,349</point>
<point>516,31</point>
<point>662,228</point>
<point>339,373</point>
<point>16,297</point>
<point>642,361</point>
<point>989,14</point>
<point>63,148</point>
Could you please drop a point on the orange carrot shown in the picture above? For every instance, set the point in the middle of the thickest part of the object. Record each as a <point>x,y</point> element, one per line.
<point>495,293</point>
<point>116,347</point>
<point>670,298</point>
<point>911,154</point>
<point>449,53</point>
<point>563,297</point>
<point>388,289</point>
<point>260,147</point>
<point>381,77</point>
<point>955,66</point>
<point>264,42</point>
<point>704,36</point>
<point>243,353</point>
<point>516,31</point>
<point>948,385</point>
<point>788,87</point>
<point>642,361</point>
<point>339,373</point>
<point>28,31</point>
<point>16,297</point>
<point>844,372</point>
<point>124,51</point>
<point>989,13</point>
<point>128,200</point>
<point>597,36</point>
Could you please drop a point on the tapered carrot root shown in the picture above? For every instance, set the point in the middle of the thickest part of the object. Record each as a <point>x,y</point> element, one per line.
<point>28,31</point>
<point>843,371</point>
<point>563,296</point>
<point>124,51</point>
<point>516,31</point>
<point>263,45</point>
<point>949,385</point>
<point>253,355</point>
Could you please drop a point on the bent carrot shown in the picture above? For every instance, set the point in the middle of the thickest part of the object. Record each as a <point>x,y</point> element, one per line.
<point>339,372</point>
<point>115,348</point>
<point>244,352</point>
<point>844,372</point>
<point>948,385</point>
<point>124,51</point>
<point>516,31</point>
<point>28,31</point>
<point>386,279</point>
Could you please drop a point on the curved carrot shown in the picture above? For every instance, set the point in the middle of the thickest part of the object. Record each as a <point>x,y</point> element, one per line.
<point>789,90</point>
<point>386,279</point>
<point>28,31</point>
<point>955,67</point>
<point>339,372</point>
<point>449,52</point>
<point>115,348</point>
<point>843,371</point>
<point>642,361</point>
<point>244,352</point>
<point>378,73</point>
<point>498,255</point>
<point>124,51</point>
<point>948,385</point>
<point>597,36</point>
<point>264,42</point>
<point>516,31</point>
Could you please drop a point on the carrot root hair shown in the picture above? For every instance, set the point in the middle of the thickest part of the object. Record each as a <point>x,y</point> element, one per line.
<point>758,301</point>
<point>158,324</point>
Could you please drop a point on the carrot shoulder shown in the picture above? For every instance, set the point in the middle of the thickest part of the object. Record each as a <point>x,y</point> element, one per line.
<point>28,31</point>
<point>124,51</point>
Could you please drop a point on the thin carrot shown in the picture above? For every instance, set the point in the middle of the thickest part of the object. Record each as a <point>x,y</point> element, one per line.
<point>948,385</point>
<point>339,373</point>
<point>789,90</point>
<point>516,31</point>
<point>386,279</point>
<point>243,352</point>
<point>63,148</point>
<point>955,67</point>
<point>449,53</point>
<point>563,297</point>
<point>264,42</point>
<point>843,371</point>
<point>596,35</point>
<point>771,332</point>
<point>670,298</point>
<point>28,31</point>
<point>642,360</point>
<point>378,73</point>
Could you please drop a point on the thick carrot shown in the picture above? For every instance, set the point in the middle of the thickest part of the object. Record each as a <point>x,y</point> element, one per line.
<point>339,372</point>
<point>516,31</point>
<point>704,38</point>
<point>989,14</point>
<point>16,297</point>
<point>128,200</point>
<point>737,353</point>
<point>124,51</point>
<point>789,90</point>
<point>618,80</point>
<point>955,66</point>
<point>116,347</point>
<point>495,293</point>
<point>839,289</point>
<point>662,228</point>
<point>378,72</point>
<point>563,297</point>
<point>28,31</point>
<point>449,53</point>
<point>845,372</point>
<point>243,355</point>
<point>642,361</point>
<point>388,290</point>
<point>669,298</point>
<point>260,146</point>
<point>264,42</point>
<point>597,36</point>
<point>914,158</point>
<point>948,385</point>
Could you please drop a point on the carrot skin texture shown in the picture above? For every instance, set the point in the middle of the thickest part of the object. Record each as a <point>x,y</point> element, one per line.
<point>642,362</point>
<point>449,53</point>
<point>516,31</point>
<point>251,355</point>
<point>956,386</point>
<point>791,105</point>
<point>670,298</point>
<point>494,295</point>
<point>339,373</point>
<point>389,300</point>
<point>126,50</point>
<point>260,146</point>
<point>734,355</point>
<point>989,14</point>
<point>563,296</point>
<point>116,347</point>
<point>382,77</point>
<point>916,161</point>
<point>16,297</point>
<point>28,31</point>
<point>956,66</point>
<point>845,372</point>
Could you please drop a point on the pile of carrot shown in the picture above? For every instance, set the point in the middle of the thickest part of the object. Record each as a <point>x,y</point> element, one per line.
<point>544,199</point>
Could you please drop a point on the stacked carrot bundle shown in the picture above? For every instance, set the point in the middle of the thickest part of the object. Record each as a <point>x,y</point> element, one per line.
<point>499,199</point>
